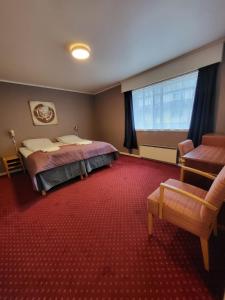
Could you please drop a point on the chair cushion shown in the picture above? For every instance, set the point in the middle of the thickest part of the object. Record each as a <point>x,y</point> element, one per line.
<point>181,210</point>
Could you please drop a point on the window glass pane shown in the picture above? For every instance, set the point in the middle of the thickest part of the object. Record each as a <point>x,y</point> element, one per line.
<point>165,105</point>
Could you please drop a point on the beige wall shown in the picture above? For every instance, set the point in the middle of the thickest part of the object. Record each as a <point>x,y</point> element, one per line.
<point>191,61</point>
<point>109,117</point>
<point>220,110</point>
<point>72,108</point>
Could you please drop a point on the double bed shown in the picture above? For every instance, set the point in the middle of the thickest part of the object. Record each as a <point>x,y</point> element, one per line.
<point>48,169</point>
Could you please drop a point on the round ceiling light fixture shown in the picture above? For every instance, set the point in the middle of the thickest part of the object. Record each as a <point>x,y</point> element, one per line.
<point>80,51</point>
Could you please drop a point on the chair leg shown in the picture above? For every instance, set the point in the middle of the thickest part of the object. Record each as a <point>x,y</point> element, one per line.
<point>43,193</point>
<point>215,229</point>
<point>150,223</point>
<point>182,175</point>
<point>205,252</point>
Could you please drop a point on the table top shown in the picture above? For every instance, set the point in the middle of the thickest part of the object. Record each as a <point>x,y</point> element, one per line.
<point>207,154</point>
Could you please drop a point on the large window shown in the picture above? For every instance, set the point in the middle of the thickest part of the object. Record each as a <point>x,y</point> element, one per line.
<point>166,105</point>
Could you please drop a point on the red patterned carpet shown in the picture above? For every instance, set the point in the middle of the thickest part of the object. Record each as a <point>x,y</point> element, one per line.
<point>88,240</point>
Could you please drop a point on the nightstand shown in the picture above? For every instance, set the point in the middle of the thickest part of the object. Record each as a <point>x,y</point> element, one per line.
<point>13,163</point>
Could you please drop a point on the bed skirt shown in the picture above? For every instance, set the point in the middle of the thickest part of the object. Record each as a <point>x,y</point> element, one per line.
<point>53,177</point>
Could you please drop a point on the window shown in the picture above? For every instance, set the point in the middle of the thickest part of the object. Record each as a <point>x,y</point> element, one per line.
<point>166,105</point>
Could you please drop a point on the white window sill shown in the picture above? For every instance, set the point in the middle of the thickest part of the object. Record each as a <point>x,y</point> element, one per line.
<point>161,130</point>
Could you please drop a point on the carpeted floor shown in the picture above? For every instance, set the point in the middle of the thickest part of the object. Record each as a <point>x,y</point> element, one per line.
<point>88,240</point>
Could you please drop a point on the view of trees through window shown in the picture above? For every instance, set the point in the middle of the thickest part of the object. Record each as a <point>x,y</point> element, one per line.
<point>166,105</point>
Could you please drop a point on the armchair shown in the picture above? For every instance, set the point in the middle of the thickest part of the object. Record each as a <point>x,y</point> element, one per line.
<point>185,147</point>
<point>189,207</point>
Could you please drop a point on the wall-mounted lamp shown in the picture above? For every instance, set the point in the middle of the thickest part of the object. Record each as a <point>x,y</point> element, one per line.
<point>75,128</point>
<point>13,137</point>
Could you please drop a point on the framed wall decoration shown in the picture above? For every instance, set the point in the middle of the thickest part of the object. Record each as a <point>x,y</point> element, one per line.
<point>43,113</point>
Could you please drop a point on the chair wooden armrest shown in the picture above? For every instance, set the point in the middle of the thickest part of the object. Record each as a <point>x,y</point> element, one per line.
<point>181,160</point>
<point>164,186</point>
<point>196,171</point>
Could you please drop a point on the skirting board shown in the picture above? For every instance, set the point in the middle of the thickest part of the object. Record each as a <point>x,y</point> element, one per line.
<point>129,154</point>
<point>138,156</point>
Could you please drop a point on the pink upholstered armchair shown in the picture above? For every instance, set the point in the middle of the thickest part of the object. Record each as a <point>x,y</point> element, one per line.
<point>185,147</point>
<point>189,207</point>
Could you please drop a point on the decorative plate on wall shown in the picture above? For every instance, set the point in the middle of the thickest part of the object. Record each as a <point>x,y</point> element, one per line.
<point>43,113</point>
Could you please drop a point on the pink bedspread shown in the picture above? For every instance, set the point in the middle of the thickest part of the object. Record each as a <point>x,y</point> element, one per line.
<point>41,161</point>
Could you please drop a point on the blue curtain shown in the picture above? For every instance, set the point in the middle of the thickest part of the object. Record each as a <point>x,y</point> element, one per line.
<point>130,140</point>
<point>202,120</point>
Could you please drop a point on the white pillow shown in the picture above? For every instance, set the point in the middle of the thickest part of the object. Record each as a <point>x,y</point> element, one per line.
<point>73,139</point>
<point>40,145</point>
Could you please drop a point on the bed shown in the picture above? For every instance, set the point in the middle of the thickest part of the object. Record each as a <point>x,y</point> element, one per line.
<point>68,161</point>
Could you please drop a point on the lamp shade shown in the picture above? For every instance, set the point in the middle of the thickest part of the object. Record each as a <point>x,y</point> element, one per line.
<point>80,51</point>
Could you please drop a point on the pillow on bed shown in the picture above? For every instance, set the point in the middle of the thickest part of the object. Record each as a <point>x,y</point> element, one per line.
<point>73,139</point>
<point>40,145</point>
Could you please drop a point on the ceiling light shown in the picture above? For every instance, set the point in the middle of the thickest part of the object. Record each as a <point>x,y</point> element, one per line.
<point>80,51</point>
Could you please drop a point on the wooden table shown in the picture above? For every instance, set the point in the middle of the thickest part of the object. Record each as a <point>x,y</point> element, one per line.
<point>206,158</point>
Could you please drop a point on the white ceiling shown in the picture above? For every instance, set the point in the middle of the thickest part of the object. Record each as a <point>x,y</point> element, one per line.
<point>126,37</point>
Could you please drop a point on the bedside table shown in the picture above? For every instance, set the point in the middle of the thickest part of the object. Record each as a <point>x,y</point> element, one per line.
<point>13,163</point>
